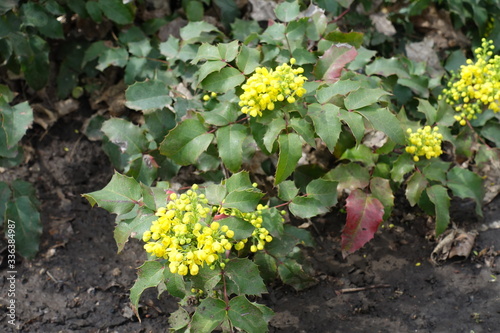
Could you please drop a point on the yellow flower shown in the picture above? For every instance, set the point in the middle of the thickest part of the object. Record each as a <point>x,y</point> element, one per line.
<point>266,87</point>
<point>185,234</point>
<point>476,86</point>
<point>425,142</point>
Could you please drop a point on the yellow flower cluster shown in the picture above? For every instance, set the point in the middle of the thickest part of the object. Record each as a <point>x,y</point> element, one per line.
<point>181,236</point>
<point>477,85</point>
<point>188,236</point>
<point>425,142</point>
<point>266,87</point>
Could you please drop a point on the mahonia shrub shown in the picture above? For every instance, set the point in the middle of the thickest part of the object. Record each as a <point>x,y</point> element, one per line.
<point>293,108</point>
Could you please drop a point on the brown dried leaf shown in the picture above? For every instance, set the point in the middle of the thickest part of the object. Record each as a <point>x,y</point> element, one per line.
<point>453,243</point>
<point>382,24</point>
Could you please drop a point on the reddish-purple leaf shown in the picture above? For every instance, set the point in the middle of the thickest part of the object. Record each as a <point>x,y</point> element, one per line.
<point>220,217</point>
<point>329,66</point>
<point>364,215</point>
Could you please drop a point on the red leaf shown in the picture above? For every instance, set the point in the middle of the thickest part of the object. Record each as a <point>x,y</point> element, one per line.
<point>220,217</point>
<point>330,65</point>
<point>364,215</point>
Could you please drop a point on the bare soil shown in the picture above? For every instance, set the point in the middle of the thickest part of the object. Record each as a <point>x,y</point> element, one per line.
<point>78,283</point>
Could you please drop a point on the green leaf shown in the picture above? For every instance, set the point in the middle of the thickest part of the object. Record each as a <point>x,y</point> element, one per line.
<point>305,129</point>
<point>94,51</point>
<point>364,57</point>
<point>239,181</point>
<point>35,15</point>
<point>94,11</point>
<point>170,48</point>
<point>209,67</point>
<point>176,286</point>
<point>229,12</point>
<point>342,87</point>
<point>325,191</point>
<point>36,66</point>
<point>150,274</point>
<point>242,229</point>
<point>133,227</point>
<point>360,153</point>
<point>127,136</point>
<point>289,154</point>
<point>228,51</point>
<point>326,122</point>
<point>246,316</point>
<point>245,200</point>
<point>248,59</point>
<point>194,10</point>
<point>349,176</point>
<point>242,29</point>
<point>385,121</point>
<point>223,114</point>
<point>15,122</point>
<point>491,131</point>
<point>22,214</point>
<point>381,189</point>
<point>179,319</point>
<point>306,207</point>
<point>116,11</point>
<point>416,184</point>
<point>355,122</point>
<point>439,197</point>
<point>185,143</point>
<point>221,82</point>
<point>147,96</point>
<point>353,38</point>
<point>273,129</point>
<point>287,190</point>
<point>436,170</point>
<point>426,108</point>
<point>387,67</point>
<point>159,122</point>
<point>206,279</point>
<point>401,167</point>
<point>198,32</point>
<point>273,221</point>
<point>363,97</point>
<point>230,142</point>
<point>467,184</point>
<point>119,196</point>
<point>209,314</point>
<point>112,57</point>
<point>292,273</point>
<point>267,266</point>
<point>287,11</point>
<point>206,52</point>
<point>245,274</point>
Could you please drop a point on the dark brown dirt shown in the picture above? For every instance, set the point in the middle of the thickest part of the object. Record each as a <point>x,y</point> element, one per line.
<point>78,283</point>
